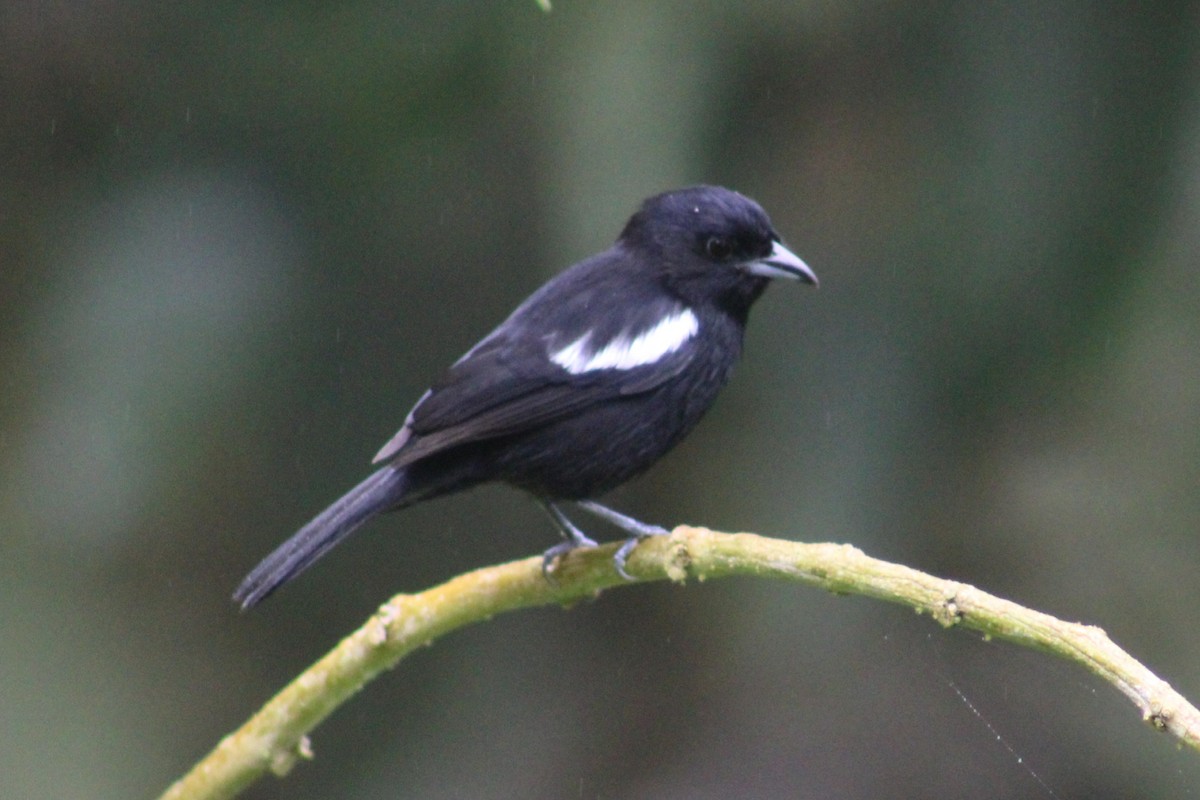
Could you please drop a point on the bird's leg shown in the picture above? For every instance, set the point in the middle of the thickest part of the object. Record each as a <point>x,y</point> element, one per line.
<point>572,537</point>
<point>639,529</point>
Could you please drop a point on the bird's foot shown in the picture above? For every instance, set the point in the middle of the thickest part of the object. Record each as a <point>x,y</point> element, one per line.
<point>639,529</point>
<point>572,538</point>
<point>561,549</point>
<point>627,547</point>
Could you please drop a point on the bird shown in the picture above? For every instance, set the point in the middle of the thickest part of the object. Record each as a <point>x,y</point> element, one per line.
<point>584,386</point>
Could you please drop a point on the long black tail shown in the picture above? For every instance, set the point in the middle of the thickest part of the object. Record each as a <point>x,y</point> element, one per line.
<point>382,490</point>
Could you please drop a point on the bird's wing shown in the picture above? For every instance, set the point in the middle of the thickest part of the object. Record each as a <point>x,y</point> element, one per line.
<point>507,385</point>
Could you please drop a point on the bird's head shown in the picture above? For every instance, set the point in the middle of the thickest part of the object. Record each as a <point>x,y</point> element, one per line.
<point>712,244</point>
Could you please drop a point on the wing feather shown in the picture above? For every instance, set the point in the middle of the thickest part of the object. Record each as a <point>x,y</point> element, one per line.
<point>508,383</point>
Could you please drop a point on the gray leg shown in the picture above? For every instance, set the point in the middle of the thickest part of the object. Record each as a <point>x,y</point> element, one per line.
<point>639,529</point>
<point>572,537</point>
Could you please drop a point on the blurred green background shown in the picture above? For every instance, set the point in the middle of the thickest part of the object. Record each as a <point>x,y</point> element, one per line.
<point>238,240</point>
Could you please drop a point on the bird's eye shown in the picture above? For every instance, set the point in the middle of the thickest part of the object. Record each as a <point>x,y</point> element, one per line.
<point>718,248</point>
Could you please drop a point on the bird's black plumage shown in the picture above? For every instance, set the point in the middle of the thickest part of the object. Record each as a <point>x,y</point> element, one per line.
<point>585,385</point>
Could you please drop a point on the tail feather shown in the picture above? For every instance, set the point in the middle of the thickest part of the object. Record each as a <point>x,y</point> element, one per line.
<point>382,490</point>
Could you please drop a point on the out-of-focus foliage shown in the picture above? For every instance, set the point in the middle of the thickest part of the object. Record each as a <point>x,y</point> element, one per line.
<point>237,241</point>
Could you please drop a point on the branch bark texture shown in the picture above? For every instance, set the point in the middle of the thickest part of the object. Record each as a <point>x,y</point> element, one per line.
<point>276,737</point>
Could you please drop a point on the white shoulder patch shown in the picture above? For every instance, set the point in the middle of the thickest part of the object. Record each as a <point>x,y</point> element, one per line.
<point>627,351</point>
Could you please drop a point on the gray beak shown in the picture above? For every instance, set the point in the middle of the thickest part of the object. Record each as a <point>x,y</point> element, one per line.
<point>781,263</point>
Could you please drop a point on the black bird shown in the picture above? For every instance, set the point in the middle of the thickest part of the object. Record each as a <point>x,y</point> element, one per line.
<point>588,383</point>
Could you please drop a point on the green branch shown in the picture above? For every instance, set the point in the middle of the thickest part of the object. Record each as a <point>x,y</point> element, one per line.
<point>277,736</point>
